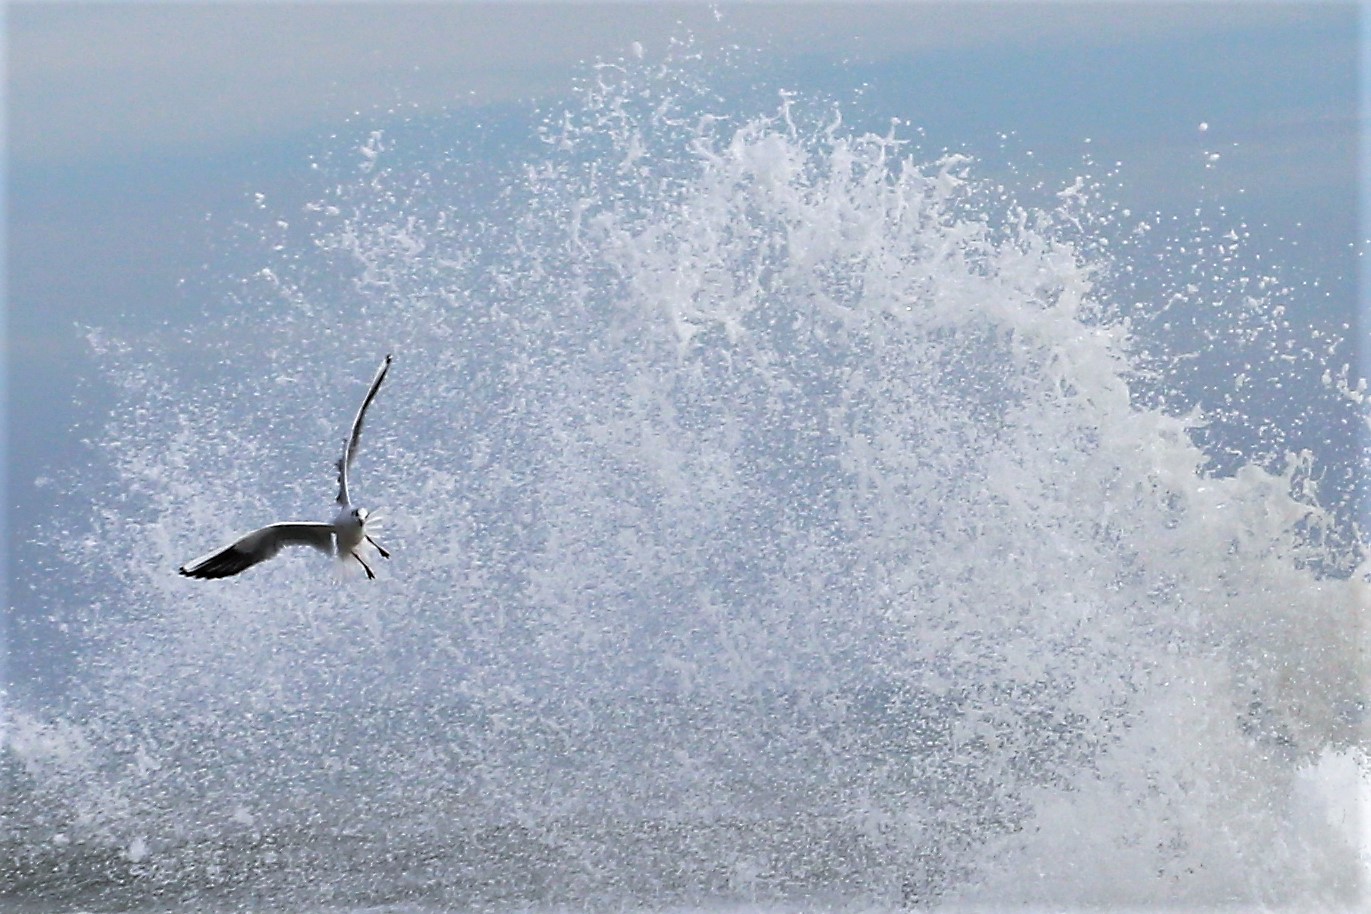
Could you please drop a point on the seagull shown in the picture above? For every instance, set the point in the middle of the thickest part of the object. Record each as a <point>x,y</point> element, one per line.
<point>340,538</point>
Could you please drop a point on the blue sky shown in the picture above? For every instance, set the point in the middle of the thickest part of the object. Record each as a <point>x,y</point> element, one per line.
<point>138,135</point>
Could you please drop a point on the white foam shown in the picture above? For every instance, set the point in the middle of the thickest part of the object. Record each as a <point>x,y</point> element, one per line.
<point>781,471</point>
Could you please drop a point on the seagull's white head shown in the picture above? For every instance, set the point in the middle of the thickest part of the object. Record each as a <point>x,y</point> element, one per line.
<point>360,515</point>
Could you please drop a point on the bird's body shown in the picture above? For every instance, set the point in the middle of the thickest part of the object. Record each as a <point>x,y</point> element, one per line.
<point>343,537</point>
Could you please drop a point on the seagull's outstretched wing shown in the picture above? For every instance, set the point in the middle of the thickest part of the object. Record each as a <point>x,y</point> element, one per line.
<point>258,546</point>
<point>350,449</point>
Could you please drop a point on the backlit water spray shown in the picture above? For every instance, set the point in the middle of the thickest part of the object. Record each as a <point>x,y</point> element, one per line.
<point>780,516</point>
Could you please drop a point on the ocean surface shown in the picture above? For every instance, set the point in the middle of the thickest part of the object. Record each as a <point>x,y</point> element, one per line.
<point>783,518</point>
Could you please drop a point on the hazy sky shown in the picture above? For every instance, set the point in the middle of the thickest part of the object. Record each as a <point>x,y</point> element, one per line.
<point>95,83</point>
<point>137,133</point>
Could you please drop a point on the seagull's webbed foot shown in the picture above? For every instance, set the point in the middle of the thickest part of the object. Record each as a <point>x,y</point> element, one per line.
<point>379,547</point>
<point>371,575</point>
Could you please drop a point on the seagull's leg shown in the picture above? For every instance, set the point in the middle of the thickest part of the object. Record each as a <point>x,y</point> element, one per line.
<point>371,575</point>
<point>379,547</point>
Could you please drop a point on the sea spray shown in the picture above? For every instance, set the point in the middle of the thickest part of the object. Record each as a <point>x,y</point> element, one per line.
<point>777,512</point>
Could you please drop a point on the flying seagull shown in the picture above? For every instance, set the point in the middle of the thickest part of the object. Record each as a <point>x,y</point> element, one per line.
<point>340,538</point>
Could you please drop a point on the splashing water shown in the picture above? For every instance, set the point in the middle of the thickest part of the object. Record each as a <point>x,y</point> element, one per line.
<point>776,516</point>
